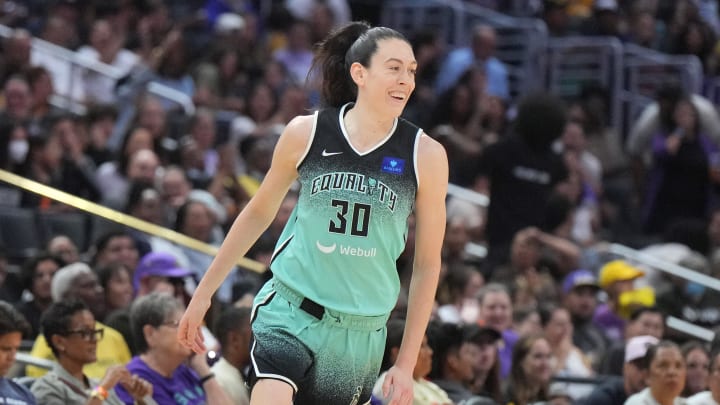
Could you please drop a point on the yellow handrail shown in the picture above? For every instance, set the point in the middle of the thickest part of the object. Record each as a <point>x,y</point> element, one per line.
<point>119,217</point>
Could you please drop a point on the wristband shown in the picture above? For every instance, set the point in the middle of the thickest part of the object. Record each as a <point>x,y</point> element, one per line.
<point>206,378</point>
<point>99,392</point>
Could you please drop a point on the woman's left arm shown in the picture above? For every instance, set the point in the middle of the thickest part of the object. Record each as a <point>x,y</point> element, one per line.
<point>430,231</point>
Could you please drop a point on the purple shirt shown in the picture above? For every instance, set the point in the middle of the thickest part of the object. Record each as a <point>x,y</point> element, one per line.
<point>611,324</point>
<point>183,388</point>
<point>509,338</point>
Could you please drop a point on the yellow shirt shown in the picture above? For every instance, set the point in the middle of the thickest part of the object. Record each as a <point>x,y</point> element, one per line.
<point>111,350</point>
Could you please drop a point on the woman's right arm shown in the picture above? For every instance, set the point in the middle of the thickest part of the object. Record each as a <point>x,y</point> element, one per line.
<point>248,226</point>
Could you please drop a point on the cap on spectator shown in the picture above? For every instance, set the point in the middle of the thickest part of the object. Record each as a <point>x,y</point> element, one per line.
<point>618,270</point>
<point>579,278</point>
<point>229,22</point>
<point>637,346</point>
<point>158,264</point>
<point>610,5</point>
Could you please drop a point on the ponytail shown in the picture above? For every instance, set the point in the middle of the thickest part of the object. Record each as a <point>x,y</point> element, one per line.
<point>353,42</point>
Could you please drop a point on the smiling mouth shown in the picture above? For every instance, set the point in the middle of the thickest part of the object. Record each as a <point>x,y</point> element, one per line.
<point>399,97</point>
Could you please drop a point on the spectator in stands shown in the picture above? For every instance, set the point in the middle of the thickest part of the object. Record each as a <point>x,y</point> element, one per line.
<point>99,122</point>
<point>665,376</point>
<point>616,277</point>
<point>18,100</point>
<point>697,359</point>
<point>6,289</point>
<point>297,54</point>
<point>63,248</point>
<point>160,272</point>
<point>112,176</point>
<point>176,375</point>
<point>115,247</point>
<point>658,117</point>
<point>527,275</point>
<point>56,160</point>
<point>174,187</point>
<point>116,281</point>
<point>531,371</point>
<point>687,300</point>
<point>680,181</point>
<point>580,289</point>
<point>197,218</point>
<point>567,359</point>
<point>615,390</point>
<point>425,392</point>
<point>233,331</point>
<point>496,313</point>
<point>457,294</point>
<point>41,89</point>
<point>258,118</point>
<point>526,321</point>
<point>37,274</point>
<point>13,328</point>
<point>16,54</point>
<point>487,382</point>
<point>712,396</point>
<point>522,164</point>
<point>644,30</point>
<point>78,282</point>
<point>481,52</point>
<point>105,46</point>
<point>644,321</point>
<point>695,37</point>
<point>455,351</point>
<point>555,15</point>
<point>605,21</point>
<point>73,335</point>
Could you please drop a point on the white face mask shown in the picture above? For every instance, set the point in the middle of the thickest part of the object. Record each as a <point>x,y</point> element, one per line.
<point>18,149</point>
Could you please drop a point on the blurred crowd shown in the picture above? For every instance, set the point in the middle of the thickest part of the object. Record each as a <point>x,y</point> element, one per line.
<point>547,315</point>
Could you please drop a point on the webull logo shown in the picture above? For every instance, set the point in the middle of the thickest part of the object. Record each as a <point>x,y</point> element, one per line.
<point>346,250</point>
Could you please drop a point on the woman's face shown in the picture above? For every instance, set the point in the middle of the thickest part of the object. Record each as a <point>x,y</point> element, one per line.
<point>80,343</point>
<point>536,365</point>
<point>697,370</point>
<point>684,115</point>
<point>559,327</point>
<point>424,360</point>
<point>42,278</point>
<point>119,291</point>
<point>486,358</point>
<point>666,375</point>
<point>164,338</point>
<point>389,80</point>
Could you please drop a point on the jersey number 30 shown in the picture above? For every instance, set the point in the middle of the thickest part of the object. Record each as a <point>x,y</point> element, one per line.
<point>360,218</point>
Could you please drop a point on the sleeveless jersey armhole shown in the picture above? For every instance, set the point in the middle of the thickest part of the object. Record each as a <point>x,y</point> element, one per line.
<point>418,136</point>
<point>310,140</point>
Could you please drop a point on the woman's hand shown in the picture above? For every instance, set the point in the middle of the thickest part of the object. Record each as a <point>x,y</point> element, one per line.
<point>397,388</point>
<point>114,375</point>
<point>137,387</point>
<point>189,331</point>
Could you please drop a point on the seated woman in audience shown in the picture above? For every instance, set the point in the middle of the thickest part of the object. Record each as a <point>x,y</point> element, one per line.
<point>425,392</point>
<point>176,376</point>
<point>116,281</point>
<point>665,376</point>
<point>531,371</point>
<point>70,330</point>
<point>697,360</point>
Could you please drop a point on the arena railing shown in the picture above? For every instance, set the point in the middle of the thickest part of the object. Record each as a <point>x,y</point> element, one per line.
<point>126,220</point>
<point>521,42</point>
<point>69,100</point>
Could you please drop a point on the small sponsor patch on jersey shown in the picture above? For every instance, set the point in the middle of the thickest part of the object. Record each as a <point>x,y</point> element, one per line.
<point>393,165</point>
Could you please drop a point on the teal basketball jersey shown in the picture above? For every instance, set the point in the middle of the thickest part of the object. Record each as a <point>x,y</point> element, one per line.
<point>349,226</point>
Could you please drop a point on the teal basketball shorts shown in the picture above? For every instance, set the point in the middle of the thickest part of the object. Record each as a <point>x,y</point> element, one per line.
<point>326,357</point>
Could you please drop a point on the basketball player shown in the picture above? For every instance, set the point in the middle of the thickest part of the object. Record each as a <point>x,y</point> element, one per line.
<point>319,323</point>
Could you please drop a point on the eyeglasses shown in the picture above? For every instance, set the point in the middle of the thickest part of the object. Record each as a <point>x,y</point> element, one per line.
<point>89,335</point>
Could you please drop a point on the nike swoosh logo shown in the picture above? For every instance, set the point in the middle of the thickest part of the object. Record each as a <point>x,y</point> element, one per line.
<point>326,153</point>
<point>325,249</point>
